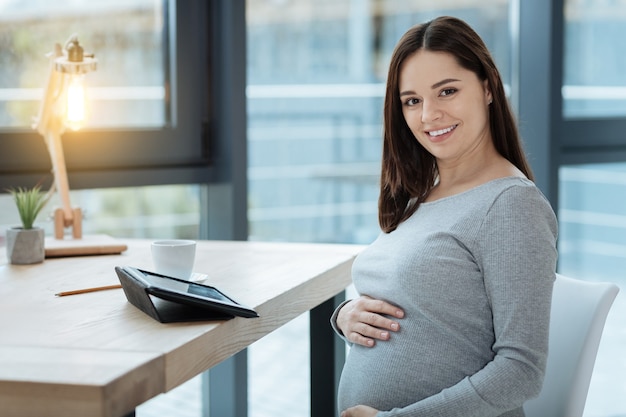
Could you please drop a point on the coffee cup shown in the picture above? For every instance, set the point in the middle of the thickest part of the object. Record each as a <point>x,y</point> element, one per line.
<point>174,257</point>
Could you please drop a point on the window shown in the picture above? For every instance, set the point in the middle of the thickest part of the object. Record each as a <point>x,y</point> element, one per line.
<point>148,112</point>
<point>160,211</point>
<point>148,99</point>
<point>316,74</point>
<point>130,42</point>
<point>594,59</point>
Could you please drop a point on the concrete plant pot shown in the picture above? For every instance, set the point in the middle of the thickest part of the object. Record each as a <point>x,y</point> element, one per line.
<point>25,246</point>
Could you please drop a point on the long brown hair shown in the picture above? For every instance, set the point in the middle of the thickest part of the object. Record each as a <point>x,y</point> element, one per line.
<point>408,170</point>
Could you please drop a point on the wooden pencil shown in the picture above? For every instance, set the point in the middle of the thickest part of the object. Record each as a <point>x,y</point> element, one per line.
<point>86,290</point>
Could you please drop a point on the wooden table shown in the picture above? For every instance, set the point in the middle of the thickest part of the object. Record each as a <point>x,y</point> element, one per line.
<point>95,354</point>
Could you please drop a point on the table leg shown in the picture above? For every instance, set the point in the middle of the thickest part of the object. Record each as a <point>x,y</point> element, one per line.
<point>328,354</point>
<point>225,388</point>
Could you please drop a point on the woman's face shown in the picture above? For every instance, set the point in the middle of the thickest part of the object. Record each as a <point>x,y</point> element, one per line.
<point>445,105</point>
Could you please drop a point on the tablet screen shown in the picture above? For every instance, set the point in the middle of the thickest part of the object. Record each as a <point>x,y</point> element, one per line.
<point>207,292</point>
<point>186,287</point>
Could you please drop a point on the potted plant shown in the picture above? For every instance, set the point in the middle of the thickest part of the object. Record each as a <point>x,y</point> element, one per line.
<point>25,244</point>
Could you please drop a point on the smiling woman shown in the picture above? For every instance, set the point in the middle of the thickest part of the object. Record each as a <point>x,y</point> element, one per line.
<point>442,324</point>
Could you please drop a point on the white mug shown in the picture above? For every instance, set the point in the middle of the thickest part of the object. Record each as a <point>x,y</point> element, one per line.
<point>174,257</point>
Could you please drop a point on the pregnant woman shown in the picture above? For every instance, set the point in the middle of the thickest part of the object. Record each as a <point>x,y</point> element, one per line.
<point>454,295</point>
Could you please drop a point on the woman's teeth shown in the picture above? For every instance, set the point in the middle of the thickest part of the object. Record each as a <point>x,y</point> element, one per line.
<point>441,132</point>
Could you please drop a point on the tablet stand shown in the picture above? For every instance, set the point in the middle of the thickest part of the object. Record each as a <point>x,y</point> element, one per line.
<point>164,311</point>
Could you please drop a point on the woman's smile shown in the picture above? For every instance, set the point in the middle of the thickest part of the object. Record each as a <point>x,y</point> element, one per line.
<point>438,135</point>
<point>441,131</point>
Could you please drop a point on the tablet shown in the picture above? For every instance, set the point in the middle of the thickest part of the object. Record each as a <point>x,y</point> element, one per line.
<point>186,292</point>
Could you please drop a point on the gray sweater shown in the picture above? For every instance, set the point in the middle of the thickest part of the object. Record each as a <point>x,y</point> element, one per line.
<point>474,274</point>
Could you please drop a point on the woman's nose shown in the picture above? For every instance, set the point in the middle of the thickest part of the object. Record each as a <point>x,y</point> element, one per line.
<point>430,111</point>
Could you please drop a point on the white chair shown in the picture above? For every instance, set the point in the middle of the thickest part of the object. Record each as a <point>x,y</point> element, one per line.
<point>579,311</point>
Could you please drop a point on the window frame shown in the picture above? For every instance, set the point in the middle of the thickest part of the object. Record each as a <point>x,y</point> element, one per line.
<point>593,140</point>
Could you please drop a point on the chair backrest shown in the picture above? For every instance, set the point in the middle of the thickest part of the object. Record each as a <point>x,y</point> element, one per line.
<point>579,311</point>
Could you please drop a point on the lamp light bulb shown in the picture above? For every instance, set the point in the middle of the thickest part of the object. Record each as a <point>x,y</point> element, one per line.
<point>75,102</point>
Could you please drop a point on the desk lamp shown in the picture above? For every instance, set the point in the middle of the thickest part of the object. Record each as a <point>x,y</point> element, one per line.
<point>63,106</point>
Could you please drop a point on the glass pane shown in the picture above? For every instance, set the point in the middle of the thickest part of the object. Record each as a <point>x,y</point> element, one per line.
<point>594,59</point>
<point>592,246</point>
<point>127,37</point>
<point>316,75</point>
<point>167,211</point>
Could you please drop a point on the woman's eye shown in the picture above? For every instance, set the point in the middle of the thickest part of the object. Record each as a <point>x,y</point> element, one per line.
<point>448,91</point>
<point>412,101</point>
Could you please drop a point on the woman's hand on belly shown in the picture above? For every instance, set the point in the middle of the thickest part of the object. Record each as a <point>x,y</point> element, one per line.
<point>360,411</point>
<point>363,320</point>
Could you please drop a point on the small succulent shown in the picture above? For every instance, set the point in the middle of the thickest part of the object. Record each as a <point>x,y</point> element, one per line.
<point>29,203</point>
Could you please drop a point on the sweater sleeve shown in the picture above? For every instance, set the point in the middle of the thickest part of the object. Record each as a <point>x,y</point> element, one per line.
<point>333,322</point>
<point>516,251</point>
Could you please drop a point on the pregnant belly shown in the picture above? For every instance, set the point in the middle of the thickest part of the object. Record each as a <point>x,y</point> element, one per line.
<point>392,374</point>
<point>376,377</point>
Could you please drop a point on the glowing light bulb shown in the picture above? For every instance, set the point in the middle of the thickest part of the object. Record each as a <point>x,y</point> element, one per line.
<point>75,102</point>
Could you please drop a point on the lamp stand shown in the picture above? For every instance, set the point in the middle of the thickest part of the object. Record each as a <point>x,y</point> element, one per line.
<point>50,126</point>
<point>65,216</point>
<point>59,223</point>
